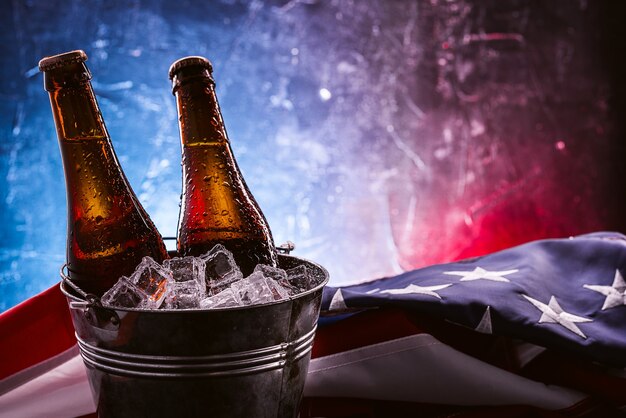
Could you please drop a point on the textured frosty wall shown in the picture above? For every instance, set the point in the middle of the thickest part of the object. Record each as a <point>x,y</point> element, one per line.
<point>376,135</point>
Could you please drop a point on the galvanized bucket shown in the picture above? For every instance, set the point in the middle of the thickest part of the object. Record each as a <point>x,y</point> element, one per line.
<point>231,362</point>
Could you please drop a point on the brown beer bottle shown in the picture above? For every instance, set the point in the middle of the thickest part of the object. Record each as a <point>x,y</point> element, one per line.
<point>217,206</point>
<point>108,231</point>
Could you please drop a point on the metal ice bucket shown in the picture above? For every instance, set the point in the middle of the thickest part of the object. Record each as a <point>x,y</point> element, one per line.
<point>231,362</point>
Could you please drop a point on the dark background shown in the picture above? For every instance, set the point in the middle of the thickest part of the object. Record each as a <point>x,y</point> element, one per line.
<point>379,136</point>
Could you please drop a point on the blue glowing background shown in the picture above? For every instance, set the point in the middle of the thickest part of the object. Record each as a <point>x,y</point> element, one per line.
<point>378,136</point>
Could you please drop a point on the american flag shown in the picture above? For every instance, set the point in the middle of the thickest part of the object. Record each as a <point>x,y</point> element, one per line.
<point>534,330</point>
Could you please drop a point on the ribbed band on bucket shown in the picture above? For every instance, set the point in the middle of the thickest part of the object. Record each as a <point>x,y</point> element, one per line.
<point>189,62</point>
<point>57,61</point>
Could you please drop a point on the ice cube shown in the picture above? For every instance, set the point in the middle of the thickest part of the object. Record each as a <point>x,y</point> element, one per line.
<point>278,292</point>
<point>285,284</point>
<point>183,295</point>
<point>123,294</point>
<point>273,276</point>
<point>301,278</point>
<point>186,269</point>
<point>253,289</point>
<point>223,299</point>
<point>216,248</point>
<point>151,278</point>
<point>271,272</point>
<point>220,269</point>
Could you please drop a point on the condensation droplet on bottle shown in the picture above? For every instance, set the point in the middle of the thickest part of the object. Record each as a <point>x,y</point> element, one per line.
<point>224,212</point>
<point>206,178</point>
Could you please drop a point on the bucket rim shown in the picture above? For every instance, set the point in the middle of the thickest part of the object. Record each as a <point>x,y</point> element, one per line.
<point>70,294</point>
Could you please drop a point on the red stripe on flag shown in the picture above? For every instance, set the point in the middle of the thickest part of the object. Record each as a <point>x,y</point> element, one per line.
<point>34,331</point>
<point>379,325</point>
<point>362,329</point>
<point>565,369</point>
<point>371,408</point>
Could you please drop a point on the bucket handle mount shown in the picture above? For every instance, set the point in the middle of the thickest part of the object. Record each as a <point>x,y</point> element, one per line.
<point>91,306</point>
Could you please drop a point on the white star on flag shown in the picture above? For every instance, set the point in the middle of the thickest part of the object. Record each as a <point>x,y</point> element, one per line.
<point>553,313</point>
<point>337,303</point>
<point>480,273</point>
<point>415,289</point>
<point>484,326</point>
<point>615,294</point>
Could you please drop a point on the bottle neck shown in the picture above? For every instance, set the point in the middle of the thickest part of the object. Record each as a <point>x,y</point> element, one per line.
<point>74,106</point>
<point>200,117</point>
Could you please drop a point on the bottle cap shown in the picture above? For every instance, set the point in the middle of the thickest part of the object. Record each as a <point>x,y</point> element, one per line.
<point>60,60</point>
<point>193,61</point>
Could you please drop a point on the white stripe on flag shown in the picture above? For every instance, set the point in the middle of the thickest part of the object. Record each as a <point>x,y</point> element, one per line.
<point>420,368</point>
<point>36,370</point>
<point>62,392</point>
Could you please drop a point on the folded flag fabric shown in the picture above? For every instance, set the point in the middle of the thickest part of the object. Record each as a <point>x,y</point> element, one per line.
<point>393,363</point>
<point>534,330</point>
<point>541,326</point>
<point>568,294</point>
